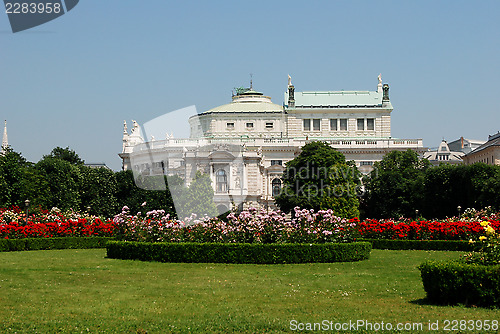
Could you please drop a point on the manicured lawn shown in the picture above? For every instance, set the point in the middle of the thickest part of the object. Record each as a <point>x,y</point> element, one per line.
<point>73,291</point>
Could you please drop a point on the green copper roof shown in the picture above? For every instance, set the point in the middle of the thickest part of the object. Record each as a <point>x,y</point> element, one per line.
<point>347,99</point>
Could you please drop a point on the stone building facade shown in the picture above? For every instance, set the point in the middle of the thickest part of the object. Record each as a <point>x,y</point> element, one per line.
<point>488,153</point>
<point>245,144</point>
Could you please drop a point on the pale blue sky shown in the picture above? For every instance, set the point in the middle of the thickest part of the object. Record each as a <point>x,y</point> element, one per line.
<point>72,81</point>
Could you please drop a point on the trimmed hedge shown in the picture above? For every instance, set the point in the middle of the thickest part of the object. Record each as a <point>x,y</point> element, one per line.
<point>10,245</point>
<point>454,282</point>
<point>238,253</point>
<point>448,245</point>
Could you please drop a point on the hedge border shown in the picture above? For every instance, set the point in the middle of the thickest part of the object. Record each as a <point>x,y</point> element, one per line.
<point>439,245</point>
<point>12,245</point>
<point>454,282</point>
<point>238,253</point>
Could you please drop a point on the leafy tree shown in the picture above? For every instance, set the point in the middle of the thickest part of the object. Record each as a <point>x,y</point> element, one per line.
<point>62,180</point>
<point>98,188</point>
<point>198,199</point>
<point>319,178</point>
<point>35,187</point>
<point>445,188</point>
<point>484,185</point>
<point>395,186</point>
<point>449,186</point>
<point>12,172</point>
<point>130,195</point>
<point>66,154</point>
<point>490,190</point>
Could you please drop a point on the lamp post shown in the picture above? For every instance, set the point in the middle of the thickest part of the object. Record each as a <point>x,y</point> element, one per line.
<point>27,204</point>
<point>459,208</point>
<point>416,214</point>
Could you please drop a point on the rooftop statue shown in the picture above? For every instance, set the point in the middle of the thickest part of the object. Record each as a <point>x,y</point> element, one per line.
<point>135,129</point>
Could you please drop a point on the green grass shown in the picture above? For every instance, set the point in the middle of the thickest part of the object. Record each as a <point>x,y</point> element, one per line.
<point>73,291</point>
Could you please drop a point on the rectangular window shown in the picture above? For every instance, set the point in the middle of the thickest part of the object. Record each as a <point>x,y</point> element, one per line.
<point>366,163</point>
<point>276,162</point>
<point>343,124</point>
<point>361,124</point>
<point>316,124</point>
<point>269,125</point>
<point>230,125</point>
<point>333,124</point>
<point>370,124</point>
<point>249,125</point>
<point>307,125</point>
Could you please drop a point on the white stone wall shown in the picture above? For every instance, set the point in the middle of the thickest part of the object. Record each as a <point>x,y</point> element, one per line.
<point>216,125</point>
<point>382,124</point>
<point>489,155</point>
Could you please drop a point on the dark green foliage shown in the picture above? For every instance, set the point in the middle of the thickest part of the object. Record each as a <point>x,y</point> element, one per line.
<point>10,245</point>
<point>130,195</point>
<point>401,184</point>
<point>441,245</point>
<point>448,186</point>
<point>198,199</point>
<point>98,189</point>
<point>238,253</point>
<point>65,154</point>
<point>485,185</point>
<point>62,180</point>
<point>320,179</point>
<point>453,282</point>
<point>12,173</point>
<point>395,186</point>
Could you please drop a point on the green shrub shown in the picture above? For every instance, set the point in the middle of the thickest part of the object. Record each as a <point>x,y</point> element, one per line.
<point>238,253</point>
<point>444,245</point>
<point>10,245</point>
<point>454,282</point>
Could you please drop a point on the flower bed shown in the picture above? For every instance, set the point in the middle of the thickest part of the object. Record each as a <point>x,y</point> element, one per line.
<point>422,230</point>
<point>251,226</point>
<point>252,236</point>
<point>438,245</point>
<point>49,224</point>
<point>307,226</point>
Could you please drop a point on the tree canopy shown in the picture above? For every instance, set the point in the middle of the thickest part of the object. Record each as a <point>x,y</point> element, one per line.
<point>395,186</point>
<point>66,154</point>
<point>319,178</point>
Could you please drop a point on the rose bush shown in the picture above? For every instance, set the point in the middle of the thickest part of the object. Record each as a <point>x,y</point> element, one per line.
<point>488,247</point>
<point>252,226</point>
<point>53,223</point>
<point>422,230</point>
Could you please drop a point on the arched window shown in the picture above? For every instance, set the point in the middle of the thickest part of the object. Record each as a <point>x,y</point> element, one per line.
<point>276,187</point>
<point>221,180</point>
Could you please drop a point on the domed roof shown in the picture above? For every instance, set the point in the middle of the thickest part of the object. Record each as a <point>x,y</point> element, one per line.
<point>248,101</point>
